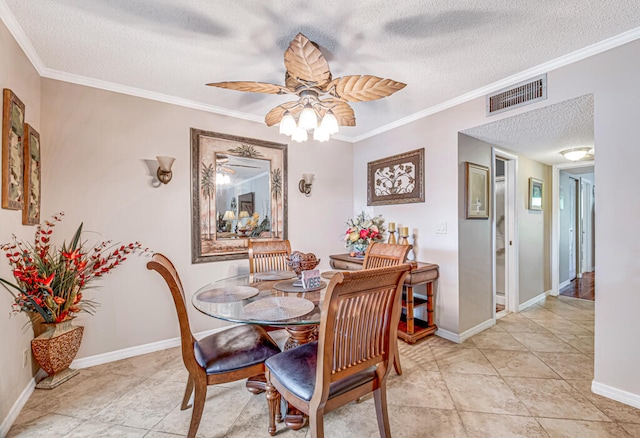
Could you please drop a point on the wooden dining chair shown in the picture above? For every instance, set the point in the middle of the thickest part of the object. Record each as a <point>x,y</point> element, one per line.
<point>352,355</point>
<point>226,356</point>
<point>379,255</point>
<point>268,255</point>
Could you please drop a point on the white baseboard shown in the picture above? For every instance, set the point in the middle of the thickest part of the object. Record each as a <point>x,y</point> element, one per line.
<point>17,407</point>
<point>138,350</point>
<point>616,394</point>
<point>460,338</point>
<point>91,361</point>
<point>500,299</point>
<point>534,300</point>
<point>446,334</point>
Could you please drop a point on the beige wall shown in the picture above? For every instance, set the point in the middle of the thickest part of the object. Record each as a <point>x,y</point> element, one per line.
<point>17,74</point>
<point>534,231</point>
<point>475,258</point>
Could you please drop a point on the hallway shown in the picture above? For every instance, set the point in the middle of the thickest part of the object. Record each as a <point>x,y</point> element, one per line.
<point>583,288</point>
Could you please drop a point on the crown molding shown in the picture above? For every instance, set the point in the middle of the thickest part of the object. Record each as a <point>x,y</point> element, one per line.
<point>16,30</point>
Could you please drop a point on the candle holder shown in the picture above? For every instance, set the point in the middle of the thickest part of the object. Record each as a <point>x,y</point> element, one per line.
<point>392,237</point>
<point>404,234</point>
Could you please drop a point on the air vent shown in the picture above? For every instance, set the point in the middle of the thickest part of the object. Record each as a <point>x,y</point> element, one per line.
<point>522,94</point>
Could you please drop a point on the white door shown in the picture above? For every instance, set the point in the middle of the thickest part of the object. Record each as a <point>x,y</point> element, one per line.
<point>571,206</point>
<point>505,245</point>
<point>586,244</point>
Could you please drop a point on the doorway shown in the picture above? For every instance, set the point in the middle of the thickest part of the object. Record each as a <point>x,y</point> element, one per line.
<point>573,230</point>
<point>504,237</point>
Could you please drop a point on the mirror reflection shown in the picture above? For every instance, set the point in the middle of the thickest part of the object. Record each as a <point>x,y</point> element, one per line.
<point>243,200</point>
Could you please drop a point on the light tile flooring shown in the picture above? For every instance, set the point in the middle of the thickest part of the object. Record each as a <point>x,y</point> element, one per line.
<point>529,376</point>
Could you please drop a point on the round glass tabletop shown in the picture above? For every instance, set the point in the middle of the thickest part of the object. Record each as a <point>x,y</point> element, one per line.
<point>231,299</point>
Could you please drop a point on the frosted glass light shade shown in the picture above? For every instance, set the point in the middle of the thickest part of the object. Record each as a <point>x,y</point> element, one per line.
<point>308,119</point>
<point>243,214</point>
<point>320,134</point>
<point>329,123</point>
<point>165,163</point>
<point>308,178</point>
<point>229,215</point>
<point>299,135</point>
<point>287,124</point>
<point>575,154</point>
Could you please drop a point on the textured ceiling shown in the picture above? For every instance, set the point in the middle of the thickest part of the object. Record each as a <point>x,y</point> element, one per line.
<point>543,133</point>
<point>441,49</point>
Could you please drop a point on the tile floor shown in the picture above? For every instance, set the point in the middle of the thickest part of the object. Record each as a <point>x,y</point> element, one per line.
<point>529,376</point>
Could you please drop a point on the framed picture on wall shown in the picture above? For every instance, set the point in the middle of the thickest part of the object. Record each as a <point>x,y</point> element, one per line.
<point>477,191</point>
<point>398,179</point>
<point>535,194</point>
<point>12,151</point>
<point>31,208</point>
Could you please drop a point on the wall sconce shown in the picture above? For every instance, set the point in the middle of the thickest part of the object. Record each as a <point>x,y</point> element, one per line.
<point>164,170</point>
<point>305,183</point>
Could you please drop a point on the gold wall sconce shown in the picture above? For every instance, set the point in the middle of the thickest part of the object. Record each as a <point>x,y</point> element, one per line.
<point>305,184</point>
<point>164,169</point>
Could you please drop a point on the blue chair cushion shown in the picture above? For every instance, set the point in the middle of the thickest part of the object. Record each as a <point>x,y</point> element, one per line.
<point>235,348</point>
<point>295,369</point>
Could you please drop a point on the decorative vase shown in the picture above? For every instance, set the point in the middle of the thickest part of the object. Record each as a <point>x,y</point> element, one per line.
<point>54,351</point>
<point>358,249</point>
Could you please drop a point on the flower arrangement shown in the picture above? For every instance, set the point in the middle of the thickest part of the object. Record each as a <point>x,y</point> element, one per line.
<point>50,280</point>
<point>363,231</point>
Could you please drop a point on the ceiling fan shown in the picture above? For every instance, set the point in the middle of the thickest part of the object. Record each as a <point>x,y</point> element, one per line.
<point>320,97</point>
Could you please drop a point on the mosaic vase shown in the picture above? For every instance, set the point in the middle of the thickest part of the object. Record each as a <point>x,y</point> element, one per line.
<point>55,349</point>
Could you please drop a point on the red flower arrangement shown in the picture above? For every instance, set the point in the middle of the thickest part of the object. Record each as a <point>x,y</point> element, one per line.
<point>50,280</point>
<point>363,231</point>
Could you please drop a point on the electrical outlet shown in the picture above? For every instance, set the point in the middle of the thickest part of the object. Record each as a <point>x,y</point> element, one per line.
<point>25,357</point>
<point>441,228</point>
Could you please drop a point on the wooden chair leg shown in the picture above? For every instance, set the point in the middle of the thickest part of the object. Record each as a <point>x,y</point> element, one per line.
<point>316,424</point>
<point>273,400</point>
<point>380,400</point>
<point>198,407</point>
<point>187,394</point>
<point>396,360</point>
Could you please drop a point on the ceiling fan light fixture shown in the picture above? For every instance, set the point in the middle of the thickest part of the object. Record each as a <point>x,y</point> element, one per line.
<point>287,124</point>
<point>329,123</point>
<point>575,154</point>
<point>299,135</point>
<point>308,119</point>
<point>222,179</point>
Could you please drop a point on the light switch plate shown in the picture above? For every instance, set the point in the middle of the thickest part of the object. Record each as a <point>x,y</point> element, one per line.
<point>441,228</point>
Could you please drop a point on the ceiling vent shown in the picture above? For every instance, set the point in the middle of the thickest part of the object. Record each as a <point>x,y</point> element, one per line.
<point>521,94</point>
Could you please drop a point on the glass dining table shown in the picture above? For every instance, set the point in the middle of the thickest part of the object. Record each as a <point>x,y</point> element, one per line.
<point>271,299</point>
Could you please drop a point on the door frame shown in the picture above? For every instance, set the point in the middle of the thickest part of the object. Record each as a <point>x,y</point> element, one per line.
<point>512,294</point>
<point>555,219</point>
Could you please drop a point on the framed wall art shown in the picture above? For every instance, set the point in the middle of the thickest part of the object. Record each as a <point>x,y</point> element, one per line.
<point>12,151</point>
<point>477,191</point>
<point>398,179</point>
<point>535,194</point>
<point>226,169</point>
<point>31,208</point>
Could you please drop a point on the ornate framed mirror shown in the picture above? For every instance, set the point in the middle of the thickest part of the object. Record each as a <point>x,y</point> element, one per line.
<point>238,192</point>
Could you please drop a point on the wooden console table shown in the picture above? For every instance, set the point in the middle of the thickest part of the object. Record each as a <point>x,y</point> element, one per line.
<point>410,329</point>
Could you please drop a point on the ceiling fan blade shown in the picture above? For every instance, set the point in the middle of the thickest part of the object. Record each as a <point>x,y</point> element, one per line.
<point>275,115</point>
<point>292,83</point>
<point>363,88</point>
<point>304,61</point>
<point>343,112</point>
<point>252,87</point>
